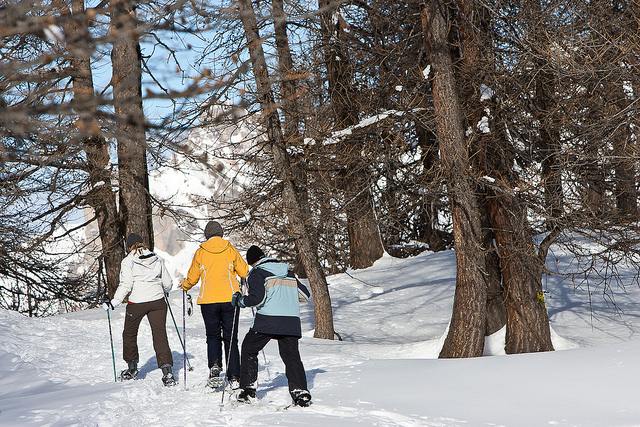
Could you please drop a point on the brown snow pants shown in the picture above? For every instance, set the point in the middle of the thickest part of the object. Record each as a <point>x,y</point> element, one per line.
<point>156,312</point>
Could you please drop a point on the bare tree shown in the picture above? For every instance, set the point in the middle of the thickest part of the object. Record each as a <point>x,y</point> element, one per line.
<point>290,198</point>
<point>133,176</point>
<point>466,330</point>
<point>101,197</point>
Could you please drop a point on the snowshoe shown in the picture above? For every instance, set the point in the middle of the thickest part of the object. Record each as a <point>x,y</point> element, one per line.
<point>167,376</point>
<point>234,382</point>
<point>247,395</point>
<point>215,380</point>
<point>301,398</point>
<point>129,374</point>
<point>168,380</point>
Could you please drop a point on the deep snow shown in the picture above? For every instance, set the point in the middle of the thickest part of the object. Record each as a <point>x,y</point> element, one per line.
<point>58,371</point>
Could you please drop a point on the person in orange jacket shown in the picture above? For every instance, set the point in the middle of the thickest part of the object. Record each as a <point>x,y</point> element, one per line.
<point>216,264</point>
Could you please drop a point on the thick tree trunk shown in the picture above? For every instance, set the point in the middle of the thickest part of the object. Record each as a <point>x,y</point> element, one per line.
<point>496,310</point>
<point>477,68</point>
<point>365,243</point>
<point>527,319</point>
<point>135,201</point>
<point>101,198</point>
<point>295,213</point>
<point>467,327</point>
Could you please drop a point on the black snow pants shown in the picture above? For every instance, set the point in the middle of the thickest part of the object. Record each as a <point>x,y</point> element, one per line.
<point>287,346</point>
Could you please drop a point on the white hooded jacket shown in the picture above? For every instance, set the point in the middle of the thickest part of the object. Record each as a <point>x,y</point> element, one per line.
<point>143,276</point>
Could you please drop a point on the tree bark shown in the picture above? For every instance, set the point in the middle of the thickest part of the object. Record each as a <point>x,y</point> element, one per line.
<point>496,309</point>
<point>101,198</point>
<point>527,319</point>
<point>135,200</point>
<point>467,327</point>
<point>291,203</point>
<point>477,70</point>
<point>291,114</point>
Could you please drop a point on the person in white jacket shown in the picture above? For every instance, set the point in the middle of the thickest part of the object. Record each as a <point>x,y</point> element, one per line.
<point>145,279</point>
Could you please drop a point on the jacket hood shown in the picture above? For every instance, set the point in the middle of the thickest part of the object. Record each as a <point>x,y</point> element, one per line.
<point>215,245</point>
<point>274,267</point>
<point>145,258</point>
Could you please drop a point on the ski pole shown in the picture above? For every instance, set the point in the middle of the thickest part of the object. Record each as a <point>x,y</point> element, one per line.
<point>178,331</point>
<point>233,328</point>
<point>113,354</point>
<point>184,345</point>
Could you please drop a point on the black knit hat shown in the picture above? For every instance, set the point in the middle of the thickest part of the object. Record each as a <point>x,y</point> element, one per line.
<point>254,254</point>
<point>213,228</point>
<point>133,238</point>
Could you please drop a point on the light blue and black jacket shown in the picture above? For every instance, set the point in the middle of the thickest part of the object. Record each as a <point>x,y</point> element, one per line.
<point>276,293</point>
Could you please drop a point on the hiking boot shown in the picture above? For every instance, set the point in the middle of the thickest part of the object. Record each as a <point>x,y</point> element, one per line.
<point>301,398</point>
<point>215,380</point>
<point>247,395</point>
<point>131,373</point>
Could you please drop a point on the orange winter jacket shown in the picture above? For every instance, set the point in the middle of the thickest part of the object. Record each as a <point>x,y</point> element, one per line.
<point>216,264</point>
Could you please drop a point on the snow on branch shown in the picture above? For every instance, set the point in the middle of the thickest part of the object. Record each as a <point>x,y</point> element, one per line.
<point>337,136</point>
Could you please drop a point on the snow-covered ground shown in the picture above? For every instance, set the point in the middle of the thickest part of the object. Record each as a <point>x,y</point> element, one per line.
<point>58,371</point>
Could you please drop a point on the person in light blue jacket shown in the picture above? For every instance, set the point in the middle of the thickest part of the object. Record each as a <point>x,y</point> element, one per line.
<point>276,294</point>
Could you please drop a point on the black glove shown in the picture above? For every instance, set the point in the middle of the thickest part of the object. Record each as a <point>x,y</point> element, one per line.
<point>237,300</point>
<point>106,305</point>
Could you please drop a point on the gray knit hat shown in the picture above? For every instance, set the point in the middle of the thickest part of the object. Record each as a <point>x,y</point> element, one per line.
<point>213,228</point>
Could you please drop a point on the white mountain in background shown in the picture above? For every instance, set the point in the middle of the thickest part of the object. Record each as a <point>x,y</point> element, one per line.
<point>210,167</point>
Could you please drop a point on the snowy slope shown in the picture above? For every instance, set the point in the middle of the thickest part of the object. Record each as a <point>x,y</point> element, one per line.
<point>58,371</point>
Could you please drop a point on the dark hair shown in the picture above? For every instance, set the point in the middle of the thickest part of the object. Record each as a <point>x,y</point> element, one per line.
<point>138,245</point>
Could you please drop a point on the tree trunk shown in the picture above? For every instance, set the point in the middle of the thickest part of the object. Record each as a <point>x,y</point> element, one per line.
<point>101,198</point>
<point>496,309</point>
<point>478,61</point>
<point>467,327</point>
<point>365,243</point>
<point>291,203</point>
<point>291,114</point>
<point>135,201</point>
<point>527,319</point>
